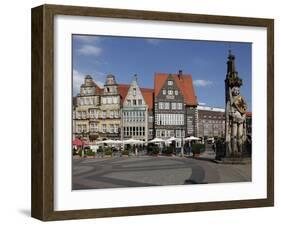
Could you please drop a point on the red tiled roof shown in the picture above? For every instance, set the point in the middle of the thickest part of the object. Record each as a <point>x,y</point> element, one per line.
<point>184,83</point>
<point>123,90</point>
<point>148,97</point>
<point>98,89</point>
<point>147,94</point>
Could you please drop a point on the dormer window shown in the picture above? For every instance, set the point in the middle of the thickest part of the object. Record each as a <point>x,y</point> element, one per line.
<point>164,92</point>
<point>170,83</point>
<point>134,91</point>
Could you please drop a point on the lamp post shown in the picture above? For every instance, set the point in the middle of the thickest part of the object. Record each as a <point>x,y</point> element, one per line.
<point>182,151</point>
<point>160,147</point>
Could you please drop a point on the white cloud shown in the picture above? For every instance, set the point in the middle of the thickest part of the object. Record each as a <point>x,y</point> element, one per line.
<point>202,83</point>
<point>78,80</point>
<point>87,38</point>
<point>90,50</point>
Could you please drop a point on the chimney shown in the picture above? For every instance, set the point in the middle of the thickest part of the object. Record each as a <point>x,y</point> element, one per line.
<point>180,74</point>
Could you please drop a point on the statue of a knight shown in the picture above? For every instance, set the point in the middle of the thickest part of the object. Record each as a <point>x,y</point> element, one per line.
<point>235,111</point>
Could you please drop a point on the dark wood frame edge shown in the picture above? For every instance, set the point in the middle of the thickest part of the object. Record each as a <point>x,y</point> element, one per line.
<point>42,197</point>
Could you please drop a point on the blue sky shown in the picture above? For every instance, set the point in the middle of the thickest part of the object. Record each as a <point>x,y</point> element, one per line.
<point>124,57</point>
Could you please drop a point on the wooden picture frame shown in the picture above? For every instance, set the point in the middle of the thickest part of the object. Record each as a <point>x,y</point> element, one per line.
<point>43,112</point>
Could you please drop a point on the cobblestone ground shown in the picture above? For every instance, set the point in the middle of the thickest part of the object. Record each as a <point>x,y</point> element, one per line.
<point>154,171</point>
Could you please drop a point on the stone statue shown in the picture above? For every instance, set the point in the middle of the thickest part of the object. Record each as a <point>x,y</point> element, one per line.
<point>235,112</point>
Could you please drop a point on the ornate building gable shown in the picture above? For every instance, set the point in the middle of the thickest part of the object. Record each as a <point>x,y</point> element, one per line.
<point>183,82</point>
<point>169,90</point>
<point>89,87</point>
<point>134,97</point>
<point>110,94</point>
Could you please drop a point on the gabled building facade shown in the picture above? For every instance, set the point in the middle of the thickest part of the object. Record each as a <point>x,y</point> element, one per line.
<point>86,110</point>
<point>136,108</point>
<point>110,118</point>
<point>175,105</point>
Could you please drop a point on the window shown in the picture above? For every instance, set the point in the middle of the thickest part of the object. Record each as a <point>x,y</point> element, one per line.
<point>134,91</point>
<point>161,105</point>
<point>140,102</point>
<point>116,126</point>
<point>150,119</point>
<point>179,106</point>
<point>104,128</point>
<point>92,127</point>
<point>96,127</point>
<point>108,128</point>
<point>164,92</point>
<point>111,128</point>
<point>170,83</point>
<point>84,128</point>
<point>109,100</point>
<point>78,129</point>
<point>84,114</point>
<point>116,114</point>
<point>134,102</point>
<point>91,113</point>
<point>111,114</point>
<point>176,92</point>
<point>129,102</point>
<point>78,114</point>
<point>167,105</point>
<point>174,106</point>
<point>157,133</point>
<point>103,114</point>
<point>96,113</point>
<point>170,92</point>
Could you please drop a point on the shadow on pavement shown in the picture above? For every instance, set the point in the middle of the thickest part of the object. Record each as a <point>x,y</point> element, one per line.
<point>190,181</point>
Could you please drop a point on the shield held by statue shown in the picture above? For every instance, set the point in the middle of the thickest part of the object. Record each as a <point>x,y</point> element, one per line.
<point>241,104</point>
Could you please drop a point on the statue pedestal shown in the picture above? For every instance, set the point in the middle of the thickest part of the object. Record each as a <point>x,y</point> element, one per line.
<point>234,160</point>
<point>240,158</point>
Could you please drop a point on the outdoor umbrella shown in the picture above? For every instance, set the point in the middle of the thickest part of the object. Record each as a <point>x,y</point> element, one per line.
<point>156,140</point>
<point>132,141</point>
<point>192,138</point>
<point>109,142</point>
<point>171,139</point>
<point>77,142</point>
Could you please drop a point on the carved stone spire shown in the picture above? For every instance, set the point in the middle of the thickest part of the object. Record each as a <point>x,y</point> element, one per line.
<point>232,78</point>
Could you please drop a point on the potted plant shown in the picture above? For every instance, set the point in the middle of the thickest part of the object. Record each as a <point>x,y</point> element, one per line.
<point>91,154</point>
<point>108,152</point>
<point>155,150</point>
<point>168,151</point>
<point>125,152</point>
<point>197,149</point>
